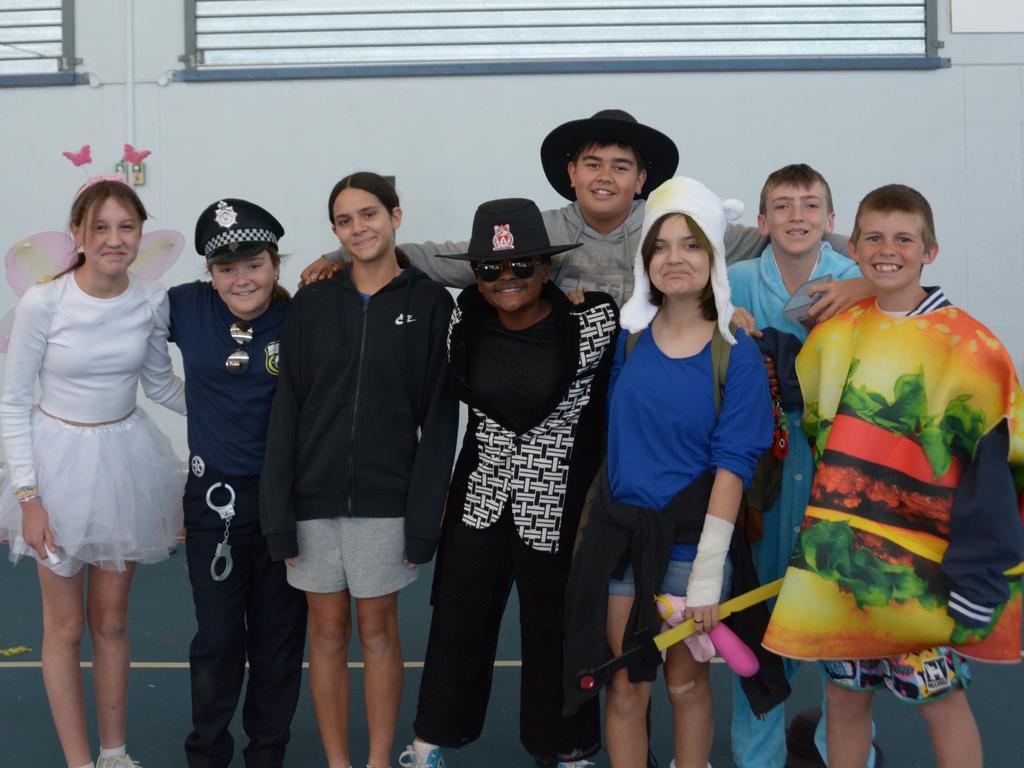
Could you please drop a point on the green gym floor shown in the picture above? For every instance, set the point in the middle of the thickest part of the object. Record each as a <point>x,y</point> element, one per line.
<point>162,623</point>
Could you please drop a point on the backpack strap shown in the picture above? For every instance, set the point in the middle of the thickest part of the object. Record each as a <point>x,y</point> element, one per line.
<point>631,341</point>
<point>721,351</point>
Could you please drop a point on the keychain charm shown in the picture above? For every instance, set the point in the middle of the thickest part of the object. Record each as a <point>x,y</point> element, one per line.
<point>222,555</point>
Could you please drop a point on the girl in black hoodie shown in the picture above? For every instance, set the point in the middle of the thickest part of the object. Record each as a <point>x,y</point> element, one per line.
<point>359,451</point>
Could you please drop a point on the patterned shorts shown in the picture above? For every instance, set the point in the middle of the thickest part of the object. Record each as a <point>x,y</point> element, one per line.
<point>916,678</point>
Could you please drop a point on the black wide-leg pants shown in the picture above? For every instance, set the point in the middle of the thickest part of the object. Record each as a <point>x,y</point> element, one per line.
<point>253,615</point>
<point>475,571</point>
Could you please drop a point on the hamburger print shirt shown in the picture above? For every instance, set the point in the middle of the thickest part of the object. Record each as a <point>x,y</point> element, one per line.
<point>914,533</point>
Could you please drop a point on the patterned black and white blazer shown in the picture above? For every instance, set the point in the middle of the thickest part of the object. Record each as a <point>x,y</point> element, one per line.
<point>543,474</point>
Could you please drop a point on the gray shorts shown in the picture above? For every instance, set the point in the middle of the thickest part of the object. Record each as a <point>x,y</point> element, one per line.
<point>365,555</point>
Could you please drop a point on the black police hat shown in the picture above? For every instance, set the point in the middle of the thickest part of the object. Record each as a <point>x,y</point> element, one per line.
<point>560,146</point>
<point>233,224</point>
<point>510,228</point>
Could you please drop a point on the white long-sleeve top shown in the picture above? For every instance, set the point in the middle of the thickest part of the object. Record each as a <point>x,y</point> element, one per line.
<point>89,355</point>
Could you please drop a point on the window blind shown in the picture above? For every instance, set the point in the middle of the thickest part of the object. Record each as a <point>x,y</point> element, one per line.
<point>36,37</point>
<point>291,33</point>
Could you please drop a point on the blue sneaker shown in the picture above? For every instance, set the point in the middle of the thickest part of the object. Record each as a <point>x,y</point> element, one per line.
<point>434,759</point>
<point>576,764</point>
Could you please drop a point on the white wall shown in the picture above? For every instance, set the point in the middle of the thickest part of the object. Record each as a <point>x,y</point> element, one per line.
<point>955,134</point>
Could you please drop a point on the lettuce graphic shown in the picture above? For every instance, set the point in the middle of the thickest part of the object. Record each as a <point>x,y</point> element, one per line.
<point>957,430</point>
<point>827,549</point>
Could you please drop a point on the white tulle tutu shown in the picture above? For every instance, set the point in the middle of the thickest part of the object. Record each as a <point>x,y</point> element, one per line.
<point>112,492</point>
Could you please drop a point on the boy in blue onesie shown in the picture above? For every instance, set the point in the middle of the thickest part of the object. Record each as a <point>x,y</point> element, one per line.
<point>796,213</point>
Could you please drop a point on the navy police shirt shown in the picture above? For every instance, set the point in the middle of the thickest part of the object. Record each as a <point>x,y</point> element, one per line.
<point>227,413</point>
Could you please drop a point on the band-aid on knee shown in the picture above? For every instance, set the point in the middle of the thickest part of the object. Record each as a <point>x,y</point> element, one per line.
<point>678,689</point>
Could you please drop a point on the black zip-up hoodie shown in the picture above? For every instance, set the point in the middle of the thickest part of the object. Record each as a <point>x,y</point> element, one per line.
<point>357,380</point>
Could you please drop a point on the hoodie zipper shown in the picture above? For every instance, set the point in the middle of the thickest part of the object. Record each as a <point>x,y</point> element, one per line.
<point>355,408</point>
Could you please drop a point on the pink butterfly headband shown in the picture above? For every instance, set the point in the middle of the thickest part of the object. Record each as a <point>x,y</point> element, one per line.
<point>84,157</point>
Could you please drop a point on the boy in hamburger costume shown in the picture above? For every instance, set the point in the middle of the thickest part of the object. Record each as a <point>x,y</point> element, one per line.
<point>913,538</point>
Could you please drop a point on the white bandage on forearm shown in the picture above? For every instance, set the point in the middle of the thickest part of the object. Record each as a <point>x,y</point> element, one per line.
<point>705,585</point>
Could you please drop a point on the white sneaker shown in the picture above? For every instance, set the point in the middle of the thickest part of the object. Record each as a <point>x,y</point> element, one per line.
<point>673,764</point>
<point>408,759</point>
<point>121,761</point>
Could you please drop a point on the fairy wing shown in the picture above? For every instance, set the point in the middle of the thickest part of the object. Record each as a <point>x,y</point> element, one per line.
<point>34,259</point>
<point>6,324</point>
<point>157,252</point>
<point>37,258</point>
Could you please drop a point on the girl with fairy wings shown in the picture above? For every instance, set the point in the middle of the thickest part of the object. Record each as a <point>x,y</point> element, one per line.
<point>95,485</point>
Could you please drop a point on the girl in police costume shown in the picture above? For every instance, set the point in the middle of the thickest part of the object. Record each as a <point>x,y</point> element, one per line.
<point>359,452</point>
<point>228,330</point>
<point>95,483</point>
<point>534,370</point>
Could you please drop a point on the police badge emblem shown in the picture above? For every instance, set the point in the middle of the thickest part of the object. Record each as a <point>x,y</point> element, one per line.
<point>503,239</point>
<point>270,355</point>
<point>225,215</point>
<point>198,466</point>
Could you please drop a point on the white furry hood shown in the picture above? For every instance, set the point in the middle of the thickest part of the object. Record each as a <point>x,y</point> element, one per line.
<point>712,214</point>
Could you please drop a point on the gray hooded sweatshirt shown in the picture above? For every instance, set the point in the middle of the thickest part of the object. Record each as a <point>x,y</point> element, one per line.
<point>602,263</point>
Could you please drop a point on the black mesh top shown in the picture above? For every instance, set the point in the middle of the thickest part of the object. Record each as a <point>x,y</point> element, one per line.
<point>513,375</point>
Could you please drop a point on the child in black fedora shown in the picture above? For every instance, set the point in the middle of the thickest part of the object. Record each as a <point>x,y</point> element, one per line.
<point>533,369</point>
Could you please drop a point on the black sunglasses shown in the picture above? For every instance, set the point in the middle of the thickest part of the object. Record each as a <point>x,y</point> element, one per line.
<point>238,361</point>
<point>489,271</point>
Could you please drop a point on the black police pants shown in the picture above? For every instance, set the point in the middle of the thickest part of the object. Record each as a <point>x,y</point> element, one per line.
<point>254,616</point>
<point>476,569</point>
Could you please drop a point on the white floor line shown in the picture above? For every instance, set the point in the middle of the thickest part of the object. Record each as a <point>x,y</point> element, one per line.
<point>514,663</point>
<point>501,663</point>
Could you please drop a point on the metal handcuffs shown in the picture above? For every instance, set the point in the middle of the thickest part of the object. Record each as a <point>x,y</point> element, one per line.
<point>226,512</point>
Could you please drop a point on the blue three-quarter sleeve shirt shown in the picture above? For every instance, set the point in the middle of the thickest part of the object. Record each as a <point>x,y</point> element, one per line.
<point>662,428</point>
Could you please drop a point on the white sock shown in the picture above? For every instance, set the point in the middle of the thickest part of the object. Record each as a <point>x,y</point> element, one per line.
<point>422,749</point>
<point>87,765</point>
<point>113,752</point>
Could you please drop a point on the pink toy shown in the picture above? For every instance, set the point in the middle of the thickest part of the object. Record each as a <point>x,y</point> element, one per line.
<point>733,651</point>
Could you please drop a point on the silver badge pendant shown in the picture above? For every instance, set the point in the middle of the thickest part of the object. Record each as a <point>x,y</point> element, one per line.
<point>198,466</point>
<point>225,215</point>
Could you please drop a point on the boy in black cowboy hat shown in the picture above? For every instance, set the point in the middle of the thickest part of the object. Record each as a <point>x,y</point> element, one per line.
<point>533,369</point>
<point>605,165</point>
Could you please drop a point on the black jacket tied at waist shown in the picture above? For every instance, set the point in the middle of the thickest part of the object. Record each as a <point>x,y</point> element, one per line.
<point>617,534</point>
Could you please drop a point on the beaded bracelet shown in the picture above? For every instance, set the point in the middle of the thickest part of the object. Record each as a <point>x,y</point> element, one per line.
<point>27,493</point>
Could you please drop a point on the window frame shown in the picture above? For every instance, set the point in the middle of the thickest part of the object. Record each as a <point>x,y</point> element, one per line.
<point>68,74</point>
<point>193,73</point>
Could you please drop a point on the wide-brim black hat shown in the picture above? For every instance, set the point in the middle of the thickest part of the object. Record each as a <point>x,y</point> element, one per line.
<point>231,225</point>
<point>510,228</point>
<point>560,146</point>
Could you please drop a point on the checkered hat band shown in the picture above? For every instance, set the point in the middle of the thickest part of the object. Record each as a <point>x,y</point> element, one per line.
<point>239,236</point>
